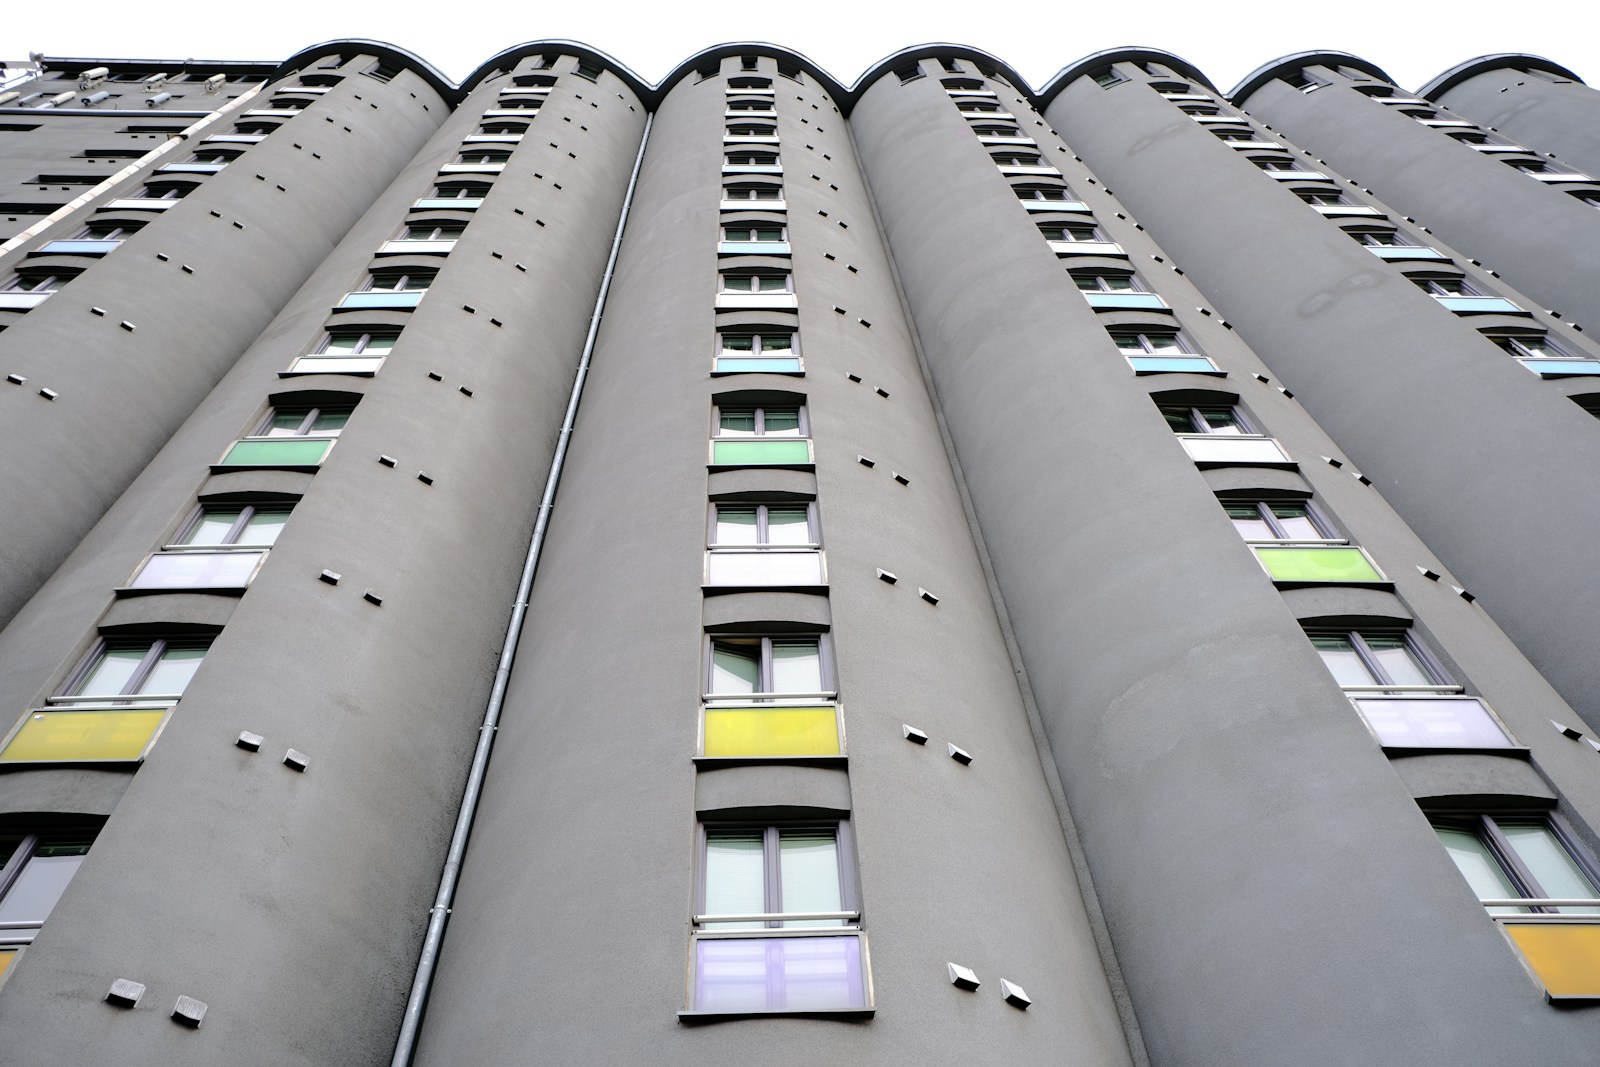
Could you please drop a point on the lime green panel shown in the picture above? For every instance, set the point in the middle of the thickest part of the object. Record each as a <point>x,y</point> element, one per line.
<point>1318,565</point>
<point>772,732</point>
<point>83,736</point>
<point>752,451</point>
<point>284,452</point>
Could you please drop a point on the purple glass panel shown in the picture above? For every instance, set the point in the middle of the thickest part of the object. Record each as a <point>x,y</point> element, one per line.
<point>1437,722</point>
<point>778,974</point>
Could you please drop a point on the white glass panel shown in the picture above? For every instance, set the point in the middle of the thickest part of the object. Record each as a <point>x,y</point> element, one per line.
<point>213,527</point>
<point>264,526</point>
<point>736,525</point>
<point>197,570</point>
<point>735,668</point>
<point>765,567</point>
<point>111,672</point>
<point>1438,722</point>
<point>796,665</point>
<point>783,422</point>
<point>735,876</point>
<point>1251,526</point>
<point>1479,867</point>
<point>808,862</point>
<point>1296,523</point>
<point>1398,661</point>
<point>1214,448</point>
<point>173,671</point>
<point>788,526</point>
<point>1342,660</point>
<point>736,422</point>
<point>1557,873</point>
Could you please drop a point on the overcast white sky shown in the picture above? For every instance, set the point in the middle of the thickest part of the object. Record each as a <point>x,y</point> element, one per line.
<point>1412,41</point>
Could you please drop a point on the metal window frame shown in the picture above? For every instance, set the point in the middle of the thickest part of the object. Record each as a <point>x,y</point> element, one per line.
<point>313,413</point>
<point>405,276</point>
<point>1486,825</point>
<point>804,427</point>
<point>1143,334</point>
<point>133,687</point>
<point>756,351</point>
<point>762,531</point>
<point>772,877</point>
<point>1381,679</point>
<point>763,694</point>
<point>234,532</point>
<point>1264,506</point>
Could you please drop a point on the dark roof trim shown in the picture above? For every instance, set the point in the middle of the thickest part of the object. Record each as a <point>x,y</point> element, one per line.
<point>1299,61</point>
<point>1520,61</point>
<point>1126,54</point>
<point>807,65</point>
<point>234,68</point>
<point>506,60</point>
<point>937,50</point>
<point>387,53</point>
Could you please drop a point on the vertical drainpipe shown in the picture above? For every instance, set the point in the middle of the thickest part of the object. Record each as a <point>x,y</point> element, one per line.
<point>428,961</point>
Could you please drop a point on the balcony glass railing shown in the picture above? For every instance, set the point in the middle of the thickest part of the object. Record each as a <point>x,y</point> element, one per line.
<point>1561,951</point>
<point>196,569</point>
<point>456,203</point>
<point>1431,721</point>
<point>770,567</point>
<point>79,247</point>
<point>1469,304</point>
<point>756,301</point>
<point>1172,364</point>
<point>1087,248</point>
<point>745,364</point>
<point>362,366</point>
<point>1560,367</point>
<point>761,452</point>
<point>22,301</point>
<point>1215,449</point>
<point>84,734</point>
<point>1406,252</point>
<point>773,972</point>
<point>138,203</point>
<point>403,247</point>
<point>752,248</point>
<point>1318,564</point>
<point>771,731</point>
<point>1115,301</point>
<point>291,452</point>
<point>390,298</point>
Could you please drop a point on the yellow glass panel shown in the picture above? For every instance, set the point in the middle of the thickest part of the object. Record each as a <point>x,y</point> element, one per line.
<point>1564,956</point>
<point>8,956</point>
<point>83,736</point>
<point>772,732</point>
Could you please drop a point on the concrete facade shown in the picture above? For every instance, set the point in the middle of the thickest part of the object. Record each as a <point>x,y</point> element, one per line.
<point>1023,436</point>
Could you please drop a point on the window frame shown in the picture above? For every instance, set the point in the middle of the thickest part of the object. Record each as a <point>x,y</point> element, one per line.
<point>1264,506</point>
<point>753,273</point>
<point>827,668</point>
<point>1486,826</point>
<point>803,428</point>
<point>313,413</point>
<point>247,511</point>
<point>1382,681</point>
<point>18,938</point>
<point>131,694</point>
<point>813,529</point>
<point>772,879</point>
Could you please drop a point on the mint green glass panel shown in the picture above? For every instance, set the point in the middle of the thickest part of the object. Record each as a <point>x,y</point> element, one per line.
<point>1317,564</point>
<point>281,452</point>
<point>1125,300</point>
<point>755,452</point>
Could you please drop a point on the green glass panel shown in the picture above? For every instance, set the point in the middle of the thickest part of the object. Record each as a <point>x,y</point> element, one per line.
<point>1317,564</point>
<point>754,452</point>
<point>284,452</point>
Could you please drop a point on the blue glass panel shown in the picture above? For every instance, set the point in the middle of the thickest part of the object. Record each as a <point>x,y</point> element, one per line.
<point>1125,300</point>
<point>745,365</point>
<point>1478,303</point>
<point>1158,364</point>
<point>82,248</point>
<point>1561,368</point>
<point>381,300</point>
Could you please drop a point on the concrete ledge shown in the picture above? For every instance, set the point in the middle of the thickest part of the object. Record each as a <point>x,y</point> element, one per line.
<point>771,790</point>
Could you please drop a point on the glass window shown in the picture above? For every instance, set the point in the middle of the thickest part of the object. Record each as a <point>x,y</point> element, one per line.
<point>1041,192</point>
<point>757,343</point>
<point>1015,158</point>
<point>399,282</point>
<point>747,158</point>
<point>1137,342</point>
<point>137,667</point>
<point>772,870</point>
<point>762,524</point>
<point>37,868</point>
<point>760,422</point>
<point>325,421</point>
<point>752,192</point>
<point>752,233</point>
<point>1519,858</point>
<point>744,666</point>
<point>766,281</point>
<point>1069,231</point>
<point>375,342</point>
<point>433,231</point>
<point>1374,659</point>
<point>1213,419</point>
<point>1264,520</point>
<point>1109,282</point>
<point>245,525</point>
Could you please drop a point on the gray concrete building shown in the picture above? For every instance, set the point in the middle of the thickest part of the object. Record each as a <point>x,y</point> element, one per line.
<point>559,569</point>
